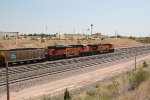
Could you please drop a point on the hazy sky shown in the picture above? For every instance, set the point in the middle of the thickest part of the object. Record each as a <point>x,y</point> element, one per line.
<point>128,17</point>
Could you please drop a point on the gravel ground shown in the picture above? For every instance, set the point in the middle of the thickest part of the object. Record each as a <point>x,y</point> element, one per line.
<point>44,80</point>
<point>31,83</point>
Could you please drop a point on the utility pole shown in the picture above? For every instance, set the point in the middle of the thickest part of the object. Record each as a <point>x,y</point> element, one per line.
<point>115,34</point>
<point>149,38</point>
<point>7,77</point>
<point>91,29</point>
<point>46,30</point>
<point>135,57</point>
<point>74,31</point>
<point>59,32</point>
<point>7,81</point>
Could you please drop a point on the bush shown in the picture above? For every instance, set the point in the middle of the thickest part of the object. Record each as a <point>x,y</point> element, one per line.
<point>46,97</point>
<point>113,88</point>
<point>87,97</point>
<point>33,38</point>
<point>106,96</point>
<point>79,42</point>
<point>145,64</point>
<point>102,38</point>
<point>67,95</point>
<point>137,78</point>
<point>97,86</point>
<point>119,36</point>
<point>91,92</point>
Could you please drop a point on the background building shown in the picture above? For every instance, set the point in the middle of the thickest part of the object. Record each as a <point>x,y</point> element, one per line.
<point>9,35</point>
<point>78,36</point>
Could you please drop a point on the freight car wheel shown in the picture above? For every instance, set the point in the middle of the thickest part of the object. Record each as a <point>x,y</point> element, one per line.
<point>18,63</point>
<point>40,60</point>
<point>29,61</point>
<point>10,64</point>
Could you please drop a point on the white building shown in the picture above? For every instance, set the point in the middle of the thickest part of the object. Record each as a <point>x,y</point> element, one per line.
<point>78,36</point>
<point>9,35</point>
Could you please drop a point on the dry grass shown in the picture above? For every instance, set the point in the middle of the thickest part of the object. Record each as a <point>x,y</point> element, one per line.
<point>117,89</point>
<point>27,43</point>
<point>141,93</point>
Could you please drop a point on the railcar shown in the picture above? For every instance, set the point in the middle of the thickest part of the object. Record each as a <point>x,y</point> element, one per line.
<point>24,55</point>
<point>61,52</point>
<point>104,48</point>
<point>111,48</point>
<point>2,59</point>
<point>79,49</point>
<point>72,51</point>
<point>92,49</point>
<point>50,52</point>
<point>87,50</point>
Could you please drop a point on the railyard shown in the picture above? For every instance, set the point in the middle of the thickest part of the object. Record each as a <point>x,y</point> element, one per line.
<point>74,50</point>
<point>26,76</point>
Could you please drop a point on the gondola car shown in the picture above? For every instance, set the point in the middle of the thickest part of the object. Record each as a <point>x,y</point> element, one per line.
<point>2,59</point>
<point>24,55</point>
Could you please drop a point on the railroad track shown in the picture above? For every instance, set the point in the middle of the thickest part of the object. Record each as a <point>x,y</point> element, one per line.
<point>50,73</point>
<point>40,66</point>
<point>52,68</point>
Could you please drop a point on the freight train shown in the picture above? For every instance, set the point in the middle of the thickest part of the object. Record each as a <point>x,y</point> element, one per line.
<point>30,55</point>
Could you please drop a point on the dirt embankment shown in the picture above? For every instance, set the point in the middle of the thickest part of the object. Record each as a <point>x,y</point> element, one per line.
<point>28,43</point>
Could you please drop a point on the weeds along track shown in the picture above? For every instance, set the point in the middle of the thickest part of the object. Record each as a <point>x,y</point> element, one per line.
<point>33,71</point>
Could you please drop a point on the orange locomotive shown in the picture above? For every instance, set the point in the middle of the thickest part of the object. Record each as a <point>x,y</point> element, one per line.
<point>60,52</point>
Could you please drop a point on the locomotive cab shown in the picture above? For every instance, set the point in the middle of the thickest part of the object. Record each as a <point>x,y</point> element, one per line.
<point>111,48</point>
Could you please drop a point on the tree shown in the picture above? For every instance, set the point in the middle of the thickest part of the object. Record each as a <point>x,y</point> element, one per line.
<point>42,35</point>
<point>67,95</point>
<point>25,34</point>
<point>137,78</point>
<point>30,34</point>
<point>34,34</point>
<point>132,37</point>
<point>145,64</point>
<point>119,36</point>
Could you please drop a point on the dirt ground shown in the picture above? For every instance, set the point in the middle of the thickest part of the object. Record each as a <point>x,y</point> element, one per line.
<point>73,81</point>
<point>28,43</point>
